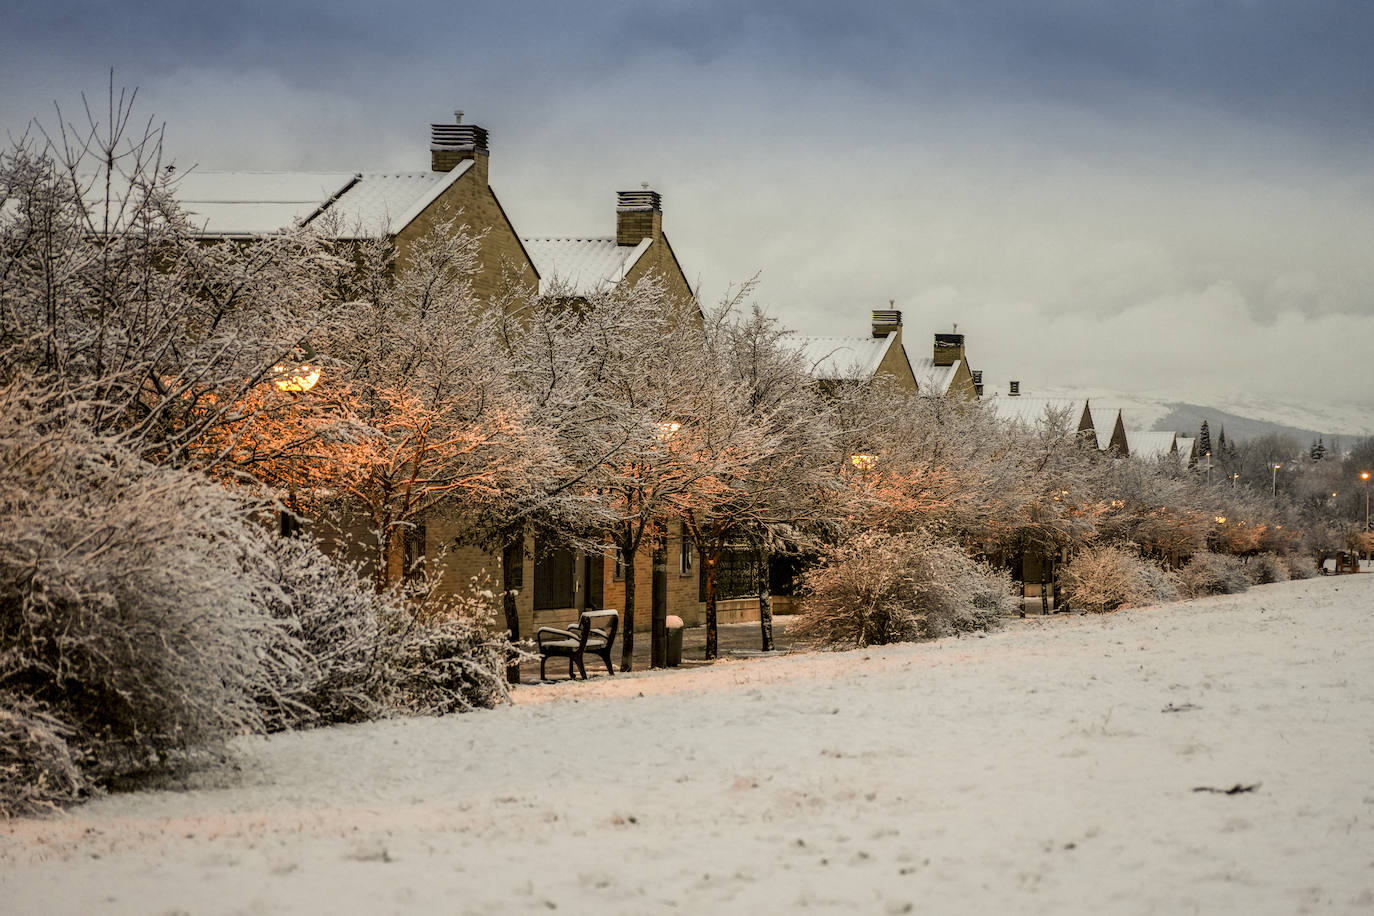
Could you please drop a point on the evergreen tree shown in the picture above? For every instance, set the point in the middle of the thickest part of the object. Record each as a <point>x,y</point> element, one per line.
<point>1204,440</point>
<point>1318,449</point>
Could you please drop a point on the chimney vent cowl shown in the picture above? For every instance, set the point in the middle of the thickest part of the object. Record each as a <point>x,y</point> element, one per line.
<point>1014,389</point>
<point>885,321</point>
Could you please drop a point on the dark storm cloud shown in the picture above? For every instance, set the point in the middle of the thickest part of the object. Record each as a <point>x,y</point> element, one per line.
<point>1088,172</point>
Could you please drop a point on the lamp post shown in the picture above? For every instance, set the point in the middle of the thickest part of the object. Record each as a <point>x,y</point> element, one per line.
<point>1209,469</point>
<point>1364,475</point>
<point>1274,484</point>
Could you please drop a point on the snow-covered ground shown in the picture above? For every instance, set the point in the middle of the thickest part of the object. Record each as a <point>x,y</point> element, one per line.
<point>1050,767</point>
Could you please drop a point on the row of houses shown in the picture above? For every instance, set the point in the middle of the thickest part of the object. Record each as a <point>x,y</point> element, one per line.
<point>402,207</point>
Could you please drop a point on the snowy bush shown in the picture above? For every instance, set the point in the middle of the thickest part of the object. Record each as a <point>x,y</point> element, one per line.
<point>1299,565</point>
<point>331,664</point>
<point>445,653</point>
<point>1162,583</point>
<point>37,772</point>
<point>1213,574</point>
<point>125,614</point>
<point>1101,579</point>
<point>1265,568</point>
<point>881,588</point>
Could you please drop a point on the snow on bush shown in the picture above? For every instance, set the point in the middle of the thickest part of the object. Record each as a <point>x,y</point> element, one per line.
<point>1299,565</point>
<point>882,588</point>
<point>1101,579</point>
<point>125,616</point>
<point>445,652</point>
<point>1213,574</point>
<point>1265,568</point>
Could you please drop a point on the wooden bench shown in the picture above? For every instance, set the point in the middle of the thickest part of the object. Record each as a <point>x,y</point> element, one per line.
<point>593,632</point>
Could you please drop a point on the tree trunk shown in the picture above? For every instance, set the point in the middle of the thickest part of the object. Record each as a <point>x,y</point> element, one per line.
<point>508,605</point>
<point>658,604</point>
<point>627,621</point>
<point>708,572</point>
<point>765,602</point>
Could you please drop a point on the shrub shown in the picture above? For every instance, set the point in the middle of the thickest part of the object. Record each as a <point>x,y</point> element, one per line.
<point>127,626</point>
<point>882,588</point>
<point>1266,568</point>
<point>1299,565</point>
<point>445,654</point>
<point>1213,574</point>
<point>1101,579</point>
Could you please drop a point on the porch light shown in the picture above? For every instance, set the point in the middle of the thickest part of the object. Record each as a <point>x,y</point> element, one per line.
<point>1221,519</point>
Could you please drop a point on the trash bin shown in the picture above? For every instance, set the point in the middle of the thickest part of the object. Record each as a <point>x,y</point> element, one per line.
<point>674,627</point>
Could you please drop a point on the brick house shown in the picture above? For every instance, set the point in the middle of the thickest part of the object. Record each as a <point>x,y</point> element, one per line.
<point>883,355</point>
<point>400,206</point>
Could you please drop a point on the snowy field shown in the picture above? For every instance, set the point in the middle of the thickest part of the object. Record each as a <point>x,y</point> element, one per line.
<point>1050,767</point>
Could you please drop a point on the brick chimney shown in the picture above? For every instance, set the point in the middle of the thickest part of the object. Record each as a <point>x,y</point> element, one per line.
<point>949,349</point>
<point>885,321</point>
<point>638,216</point>
<point>977,381</point>
<point>1013,389</point>
<point>450,145</point>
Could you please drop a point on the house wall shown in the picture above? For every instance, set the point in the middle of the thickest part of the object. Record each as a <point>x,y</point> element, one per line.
<point>500,255</point>
<point>659,258</point>
<point>962,383</point>
<point>896,366</point>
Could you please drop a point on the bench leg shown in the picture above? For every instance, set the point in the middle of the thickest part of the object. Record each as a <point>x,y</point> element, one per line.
<point>543,660</point>
<point>606,657</point>
<point>581,667</point>
<point>571,676</point>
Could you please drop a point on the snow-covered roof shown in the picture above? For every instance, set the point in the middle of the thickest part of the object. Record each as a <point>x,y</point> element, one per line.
<point>932,379</point>
<point>352,204</point>
<point>1031,411</point>
<point>1150,444</point>
<point>1185,449</point>
<point>1103,419</point>
<point>844,358</point>
<point>583,266</point>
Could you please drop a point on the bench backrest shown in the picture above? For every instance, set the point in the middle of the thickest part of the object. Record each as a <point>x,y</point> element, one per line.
<point>606,620</point>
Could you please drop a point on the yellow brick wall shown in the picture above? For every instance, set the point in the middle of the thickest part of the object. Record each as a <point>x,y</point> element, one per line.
<point>471,202</point>
<point>659,259</point>
<point>896,367</point>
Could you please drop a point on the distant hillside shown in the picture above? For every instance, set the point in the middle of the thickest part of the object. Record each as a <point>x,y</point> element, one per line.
<point>1242,419</point>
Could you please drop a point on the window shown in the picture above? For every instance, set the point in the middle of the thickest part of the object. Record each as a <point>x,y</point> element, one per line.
<point>685,559</point>
<point>513,564</point>
<point>553,578</point>
<point>414,552</point>
<point>736,575</point>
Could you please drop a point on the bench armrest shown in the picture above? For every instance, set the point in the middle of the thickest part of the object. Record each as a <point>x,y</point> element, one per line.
<point>554,631</point>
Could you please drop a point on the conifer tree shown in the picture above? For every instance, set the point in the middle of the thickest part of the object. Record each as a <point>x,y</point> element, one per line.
<point>1318,449</point>
<point>1204,440</point>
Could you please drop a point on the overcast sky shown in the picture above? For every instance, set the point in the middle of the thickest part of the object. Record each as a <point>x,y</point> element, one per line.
<point>1171,196</point>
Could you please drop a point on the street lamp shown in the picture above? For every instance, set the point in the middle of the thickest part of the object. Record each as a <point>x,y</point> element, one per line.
<point>1364,475</point>
<point>1234,478</point>
<point>1209,469</point>
<point>1274,484</point>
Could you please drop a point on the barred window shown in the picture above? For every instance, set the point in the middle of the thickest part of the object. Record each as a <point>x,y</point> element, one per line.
<point>736,575</point>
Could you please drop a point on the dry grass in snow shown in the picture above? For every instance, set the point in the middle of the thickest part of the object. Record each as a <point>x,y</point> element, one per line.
<point>1049,767</point>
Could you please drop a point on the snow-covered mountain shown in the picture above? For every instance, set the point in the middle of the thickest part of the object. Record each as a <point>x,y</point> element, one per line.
<point>1243,418</point>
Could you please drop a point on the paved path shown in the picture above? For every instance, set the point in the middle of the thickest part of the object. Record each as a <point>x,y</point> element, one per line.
<point>736,640</point>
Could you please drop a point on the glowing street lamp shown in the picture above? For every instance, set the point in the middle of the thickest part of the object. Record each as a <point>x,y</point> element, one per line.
<point>1364,475</point>
<point>863,461</point>
<point>1274,484</point>
<point>297,375</point>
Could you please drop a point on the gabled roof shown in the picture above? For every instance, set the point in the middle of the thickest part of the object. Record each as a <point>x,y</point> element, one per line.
<point>1150,445</point>
<point>351,204</point>
<point>1185,449</point>
<point>1030,412</point>
<point>1104,420</point>
<point>850,359</point>
<point>583,266</point>
<point>932,379</point>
